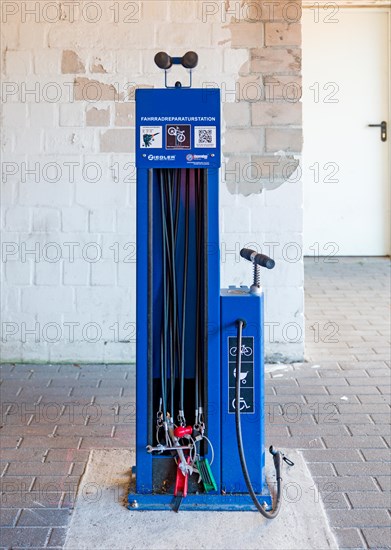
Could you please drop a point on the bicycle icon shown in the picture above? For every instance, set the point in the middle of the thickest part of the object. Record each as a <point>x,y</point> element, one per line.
<point>179,134</point>
<point>242,403</point>
<point>244,350</point>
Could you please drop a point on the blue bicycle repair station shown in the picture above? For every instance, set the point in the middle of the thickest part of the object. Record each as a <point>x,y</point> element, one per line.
<point>200,366</point>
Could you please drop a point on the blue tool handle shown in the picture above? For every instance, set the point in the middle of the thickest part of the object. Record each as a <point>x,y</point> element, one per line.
<point>259,259</point>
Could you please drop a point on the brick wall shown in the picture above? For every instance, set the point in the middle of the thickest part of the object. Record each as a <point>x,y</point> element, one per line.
<point>68,180</point>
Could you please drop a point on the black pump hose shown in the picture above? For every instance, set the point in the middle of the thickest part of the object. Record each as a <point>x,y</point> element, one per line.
<point>277,455</point>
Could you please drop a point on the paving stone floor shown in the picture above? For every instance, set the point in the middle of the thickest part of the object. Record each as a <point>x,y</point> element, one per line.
<point>335,408</point>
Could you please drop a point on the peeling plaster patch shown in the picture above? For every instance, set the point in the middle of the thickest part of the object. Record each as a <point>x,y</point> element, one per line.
<point>98,69</point>
<point>86,89</point>
<point>97,66</point>
<point>98,117</point>
<point>263,152</point>
<point>71,63</point>
<point>251,174</point>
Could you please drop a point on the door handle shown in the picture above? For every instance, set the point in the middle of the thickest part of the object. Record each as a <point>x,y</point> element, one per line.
<point>383,129</point>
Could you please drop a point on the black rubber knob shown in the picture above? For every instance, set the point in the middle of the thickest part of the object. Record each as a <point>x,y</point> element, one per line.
<point>163,60</point>
<point>260,259</point>
<point>190,60</point>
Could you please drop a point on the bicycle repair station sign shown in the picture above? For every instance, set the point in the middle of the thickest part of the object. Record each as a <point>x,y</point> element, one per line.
<point>178,128</point>
<point>246,404</point>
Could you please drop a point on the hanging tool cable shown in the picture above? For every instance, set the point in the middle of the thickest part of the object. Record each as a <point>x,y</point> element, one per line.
<point>197,346</point>
<point>181,415</point>
<point>201,284</point>
<point>177,177</point>
<point>172,290</point>
<point>278,456</point>
<point>164,324</point>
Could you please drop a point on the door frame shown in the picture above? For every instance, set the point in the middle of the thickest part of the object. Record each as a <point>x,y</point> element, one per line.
<point>307,5</point>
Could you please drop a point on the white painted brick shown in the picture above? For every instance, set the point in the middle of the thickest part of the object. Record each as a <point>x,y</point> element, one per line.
<point>14,327</point>
<point>102,35</point>
<point>177,35</point>
<point>87,352</point>
<point>11,168</point>
<point>241,217</point>
<point>72,114</point>
<point>32,352</point>
<point>48,299</point>
<point>76,273</point>
<point>47,273</point>
<point>8,194</point>
<point>209,59</point>
<point>121,248</point>
<point>18,219</point>
<point>289,245</point>
<point>101,220</point>
<point>234,60</point>
<point>7,140</point>
<point>289,194</point>
<point>32,36</point>
<point>118,352</point>
<point>248,140</point>
<point>63,141</point>
<point>18,273</point>
<point>94,301</point>
<point>14,115</point>
<point>237,114</point>
<point>220,35</point>
<point>74,218</point>
<point>9,34</point>
<point>18,62</point>
<point>47,62</point>
<point>45,194</point>
<point>46,219</point>
<point>129,65</point>
<point>45,325</point>
<point>10,352</point>
<point>29,140</point>
<point>103,273</point>
<point>127,274</point>
<point>100,195</point>
<point>10,297</point>
<point>42,115</point>
<point>276,305</point>
<point>278,217</point>
<point>126,221</point>
<point>285,274</point>
<point>155,10</point>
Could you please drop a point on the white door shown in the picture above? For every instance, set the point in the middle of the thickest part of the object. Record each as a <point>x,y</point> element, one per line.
<point>346,83</point>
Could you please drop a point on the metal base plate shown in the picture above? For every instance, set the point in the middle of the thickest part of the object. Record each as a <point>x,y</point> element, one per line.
<point>200,502</point>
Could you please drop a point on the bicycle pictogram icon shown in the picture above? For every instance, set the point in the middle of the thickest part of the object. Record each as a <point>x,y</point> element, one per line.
<point>179,134</point>
<point>244,350</point>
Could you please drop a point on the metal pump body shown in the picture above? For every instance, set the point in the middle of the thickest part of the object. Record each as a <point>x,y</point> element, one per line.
<point>186,332</point>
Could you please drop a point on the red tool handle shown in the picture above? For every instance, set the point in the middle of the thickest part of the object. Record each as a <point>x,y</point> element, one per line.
<point>181,431</point>
<point>181,481</point>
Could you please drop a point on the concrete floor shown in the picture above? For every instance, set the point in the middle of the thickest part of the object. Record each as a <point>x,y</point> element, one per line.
<point>164,530</point>
<point>335,408</point>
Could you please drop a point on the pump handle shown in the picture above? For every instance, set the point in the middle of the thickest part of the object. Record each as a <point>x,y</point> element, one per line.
<point>259,259</point>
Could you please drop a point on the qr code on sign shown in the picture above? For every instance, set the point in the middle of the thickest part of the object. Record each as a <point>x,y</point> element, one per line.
<point>205,136</point>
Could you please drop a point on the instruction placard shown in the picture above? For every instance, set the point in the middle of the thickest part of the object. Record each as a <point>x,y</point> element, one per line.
<point>246,374</point>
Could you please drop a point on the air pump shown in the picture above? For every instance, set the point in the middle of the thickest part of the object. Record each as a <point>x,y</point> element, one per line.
<point>200,366</point>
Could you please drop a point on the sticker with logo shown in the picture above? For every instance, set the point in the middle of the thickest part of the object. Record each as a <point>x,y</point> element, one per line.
<point>178,136</point>
<point>151,137</point>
